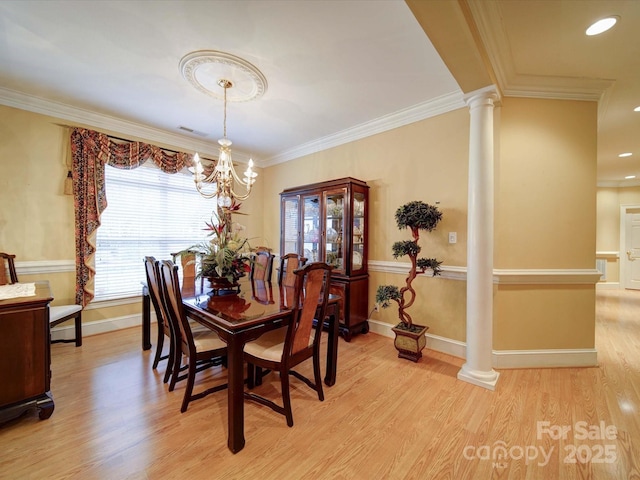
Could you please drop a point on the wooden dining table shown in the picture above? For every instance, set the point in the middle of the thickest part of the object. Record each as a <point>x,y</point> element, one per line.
<point>240,317</point>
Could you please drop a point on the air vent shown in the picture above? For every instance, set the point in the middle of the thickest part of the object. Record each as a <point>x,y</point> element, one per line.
<point>191,130</point>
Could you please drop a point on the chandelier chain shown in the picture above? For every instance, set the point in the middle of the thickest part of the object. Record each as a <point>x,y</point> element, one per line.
<point>224,122</point>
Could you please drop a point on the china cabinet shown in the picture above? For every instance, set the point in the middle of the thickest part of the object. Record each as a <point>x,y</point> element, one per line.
<point>328,222</point>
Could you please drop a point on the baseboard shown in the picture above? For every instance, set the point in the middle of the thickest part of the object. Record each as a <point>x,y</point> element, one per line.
<point>608,286</point>
<point>434,342</point>
<point>551,358</point>
<point>67,331</point>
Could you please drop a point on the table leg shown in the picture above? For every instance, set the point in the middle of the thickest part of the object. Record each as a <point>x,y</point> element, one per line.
<point>146,319</point>
<point>235,394</point>
<point>332,349</point>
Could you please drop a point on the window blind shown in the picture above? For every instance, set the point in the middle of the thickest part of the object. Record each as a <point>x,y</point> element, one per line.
<point>148,212</point>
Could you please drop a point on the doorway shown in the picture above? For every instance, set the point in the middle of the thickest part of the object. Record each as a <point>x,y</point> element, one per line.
<point>630,247</point>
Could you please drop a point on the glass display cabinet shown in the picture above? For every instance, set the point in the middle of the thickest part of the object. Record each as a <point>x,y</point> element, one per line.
<point>327,222</point>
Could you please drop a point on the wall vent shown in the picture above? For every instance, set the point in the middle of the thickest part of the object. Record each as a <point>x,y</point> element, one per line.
<point>191,130</point>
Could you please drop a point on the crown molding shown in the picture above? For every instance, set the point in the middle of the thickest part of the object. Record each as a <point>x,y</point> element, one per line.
<point>438,106</point>
<point>443,104</point>
<point>84,117</point>
<point>488,19</point>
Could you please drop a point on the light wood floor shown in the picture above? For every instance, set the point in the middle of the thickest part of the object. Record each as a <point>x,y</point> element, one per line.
<point>385,418</point>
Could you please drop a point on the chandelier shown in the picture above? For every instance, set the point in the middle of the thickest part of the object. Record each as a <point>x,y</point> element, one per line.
<point>206,69</point>
<point>224,175</point>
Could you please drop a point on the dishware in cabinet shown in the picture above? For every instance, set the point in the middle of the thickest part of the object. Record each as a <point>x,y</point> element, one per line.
<point>327,222</point>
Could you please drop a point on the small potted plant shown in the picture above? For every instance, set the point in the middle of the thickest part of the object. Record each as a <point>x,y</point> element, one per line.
<point>410,338</point>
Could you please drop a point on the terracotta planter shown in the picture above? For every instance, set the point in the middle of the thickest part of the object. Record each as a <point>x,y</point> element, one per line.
<point>410,343</point>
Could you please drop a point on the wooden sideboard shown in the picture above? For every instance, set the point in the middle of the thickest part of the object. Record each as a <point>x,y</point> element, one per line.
<point>25,357</point>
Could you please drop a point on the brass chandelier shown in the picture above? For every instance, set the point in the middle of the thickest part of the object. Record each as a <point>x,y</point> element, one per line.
<point>224,175</point>
<point>206,70</point>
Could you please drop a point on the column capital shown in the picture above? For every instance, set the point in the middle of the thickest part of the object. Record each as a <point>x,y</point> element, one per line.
<point>488,95</point>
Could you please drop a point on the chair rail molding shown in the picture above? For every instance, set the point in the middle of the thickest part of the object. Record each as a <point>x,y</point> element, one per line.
<point>530,276</point>
<point>45,266</point>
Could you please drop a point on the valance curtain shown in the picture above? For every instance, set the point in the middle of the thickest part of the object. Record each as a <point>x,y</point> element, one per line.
<point>91,151</point>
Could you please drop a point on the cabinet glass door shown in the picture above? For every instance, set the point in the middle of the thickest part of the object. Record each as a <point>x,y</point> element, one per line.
<point>358,231</point>
<point>290,225</point>
<point>334,229</point>
<point>311,232</point>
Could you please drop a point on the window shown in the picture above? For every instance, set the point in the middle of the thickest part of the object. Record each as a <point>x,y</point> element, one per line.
<point>149,212</point>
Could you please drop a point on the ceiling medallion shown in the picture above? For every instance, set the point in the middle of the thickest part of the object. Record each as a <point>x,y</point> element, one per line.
<point>204,69</point>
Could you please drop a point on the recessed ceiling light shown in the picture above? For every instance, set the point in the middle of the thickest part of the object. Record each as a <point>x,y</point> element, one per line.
<point>626,154</point>
<point>629,177</point>
<point>637,109</point>
<point>602,25</point>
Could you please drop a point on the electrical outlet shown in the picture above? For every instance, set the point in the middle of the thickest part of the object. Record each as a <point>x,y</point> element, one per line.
<point>453,237</point>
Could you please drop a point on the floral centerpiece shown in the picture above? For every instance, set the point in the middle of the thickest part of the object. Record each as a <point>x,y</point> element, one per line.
<point>225,257</point>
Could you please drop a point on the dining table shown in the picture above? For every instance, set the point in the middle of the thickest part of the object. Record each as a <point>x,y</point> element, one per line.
<point>241,316</point>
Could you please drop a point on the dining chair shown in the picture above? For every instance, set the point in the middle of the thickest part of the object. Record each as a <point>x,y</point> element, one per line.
<point>8,269</point>
<point>57,314</point>
<point>288,264</point>
<point>188,261</point>
<point>282,349</point>
<point>262,291</point>
<point>202,349</point>
<point>261,266</point>
<point>165,328</point>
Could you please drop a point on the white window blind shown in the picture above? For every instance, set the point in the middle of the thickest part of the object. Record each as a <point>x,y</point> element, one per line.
<point>149,212</point>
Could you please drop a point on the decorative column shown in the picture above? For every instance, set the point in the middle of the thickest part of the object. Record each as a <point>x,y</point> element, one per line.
<point>478,367</point>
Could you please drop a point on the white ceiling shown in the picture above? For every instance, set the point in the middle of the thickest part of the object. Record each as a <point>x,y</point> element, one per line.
<point>336,70</point>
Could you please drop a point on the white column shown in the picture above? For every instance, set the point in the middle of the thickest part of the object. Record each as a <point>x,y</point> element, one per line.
<point>478,367</point>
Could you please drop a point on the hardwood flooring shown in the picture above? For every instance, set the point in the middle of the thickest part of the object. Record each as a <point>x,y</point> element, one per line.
<point>385,418</point>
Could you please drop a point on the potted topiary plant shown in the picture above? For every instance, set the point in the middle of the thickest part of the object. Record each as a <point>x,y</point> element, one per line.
<point>410,338</point>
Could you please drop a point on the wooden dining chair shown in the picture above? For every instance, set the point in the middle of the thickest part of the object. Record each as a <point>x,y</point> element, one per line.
<point>165,329</point>
<point>202,349</point>
<point>262,292</point>
<point>288,264</point>
<point>188,261</point>
<point>261,266</point>
<point>57,314</point>
<point>7,269</point>
<point>282,349</point>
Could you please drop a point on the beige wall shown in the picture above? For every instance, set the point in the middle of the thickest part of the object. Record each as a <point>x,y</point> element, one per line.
<point>545,219</point>
<point>36,218</point>
<point>546,184</point>
<point>545,210</point>
<point>425,161</point>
